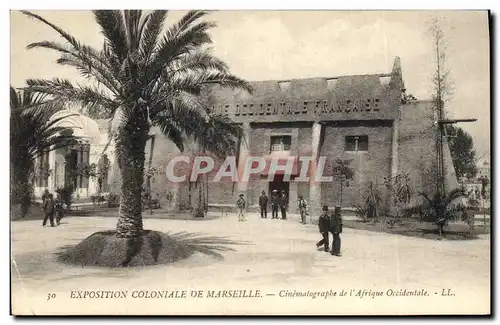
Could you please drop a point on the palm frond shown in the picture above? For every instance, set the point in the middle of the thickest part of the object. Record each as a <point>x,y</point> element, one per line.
<point>113,28</point>
<point>91,98</point>
<point>176,44</point>
<point>151,32</point>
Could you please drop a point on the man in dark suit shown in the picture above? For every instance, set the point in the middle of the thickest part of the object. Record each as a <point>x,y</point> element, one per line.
<point>283,201</point>
<point>324,228</point>
<point>336,230</point>
<point>263,204</point>
<point>48,208</point>
<point>274,204</point>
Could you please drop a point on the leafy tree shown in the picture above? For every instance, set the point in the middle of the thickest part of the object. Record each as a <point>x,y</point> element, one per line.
<point>32,133</point>
<point>401,193</point>
<point>462,151</point>
<point>372,200</point>
<point>223,137</point>
<point>142,77</point>
<point>345,172</point>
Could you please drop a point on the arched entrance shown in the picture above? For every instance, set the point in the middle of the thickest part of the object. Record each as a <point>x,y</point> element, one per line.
<point>72,164</point>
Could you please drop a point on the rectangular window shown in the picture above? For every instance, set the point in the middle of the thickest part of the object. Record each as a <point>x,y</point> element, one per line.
<point>281,143</point>
<point>356,143</point>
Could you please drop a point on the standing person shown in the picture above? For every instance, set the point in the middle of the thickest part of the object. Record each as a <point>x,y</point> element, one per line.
<point>303,209</point>
<point>336,230</point>
<point>48,208</point>
<point>241,206</point>
<point>283,201</point>
<point>263,205</point>
<point>59,209</point>
<point>45,196</point>
<point>274,204</point>
<point>324,228</point>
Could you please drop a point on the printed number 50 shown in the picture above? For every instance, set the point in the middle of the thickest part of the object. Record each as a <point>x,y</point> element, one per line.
<point>51,296</point>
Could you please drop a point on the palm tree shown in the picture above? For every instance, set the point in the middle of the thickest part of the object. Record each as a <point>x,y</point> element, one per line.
<point>143,77</point>
<point>221,138</point>
<point>345,172</point>
<point>439,209</point>
<point>32,134</point>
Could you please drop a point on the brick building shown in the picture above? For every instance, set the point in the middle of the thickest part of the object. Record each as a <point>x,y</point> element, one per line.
<point>360,118</point>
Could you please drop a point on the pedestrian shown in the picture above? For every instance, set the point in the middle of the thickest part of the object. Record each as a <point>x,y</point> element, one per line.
<point>45,196</point>
<point>274,204</point>
<point>59,209</point>
<point>263,205</point>
<point>283,202</point>
<point>48,208</point>
<point>336,230</point>
<point>303,209</point>
<point>324,228</point>
<point>241,206</point>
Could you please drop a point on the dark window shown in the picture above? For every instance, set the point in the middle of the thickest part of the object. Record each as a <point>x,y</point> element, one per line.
<point>356,143</point>
<point>281,143</point>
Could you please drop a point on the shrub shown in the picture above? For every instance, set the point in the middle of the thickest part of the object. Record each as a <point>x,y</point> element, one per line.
<point>113,200</point>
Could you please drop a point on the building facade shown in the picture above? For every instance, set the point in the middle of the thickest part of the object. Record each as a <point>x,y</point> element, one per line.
<point>363,119</point>
<point>67,166</point>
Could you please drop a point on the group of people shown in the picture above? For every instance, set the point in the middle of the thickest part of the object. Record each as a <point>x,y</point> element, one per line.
<point>52,207</point>
<point>329,221</point>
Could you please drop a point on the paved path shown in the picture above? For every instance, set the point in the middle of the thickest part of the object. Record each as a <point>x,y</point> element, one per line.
<point>274,257</point>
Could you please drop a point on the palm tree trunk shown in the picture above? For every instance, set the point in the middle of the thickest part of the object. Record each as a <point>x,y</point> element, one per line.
<point>132,146</point>
<point>341,188</point>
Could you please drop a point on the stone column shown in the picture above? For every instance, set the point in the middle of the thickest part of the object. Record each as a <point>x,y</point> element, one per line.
<point>315,187</point>
<point>52,166</point>
<point>394,158</point>
<point>242,186</point>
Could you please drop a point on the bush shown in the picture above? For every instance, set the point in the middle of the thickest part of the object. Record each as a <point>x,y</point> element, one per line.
<point>113,200</point>
<point>97,199</point>
<point>66,194</point>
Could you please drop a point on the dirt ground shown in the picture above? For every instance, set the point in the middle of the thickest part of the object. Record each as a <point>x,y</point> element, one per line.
<point>274,257</point>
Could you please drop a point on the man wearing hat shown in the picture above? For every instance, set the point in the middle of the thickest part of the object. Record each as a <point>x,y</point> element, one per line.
<point>283,203</point>
<point>263,204</point>
<point>324,228</point>
<point>336,230</point>
<point>241,206</point>
<point>274,204</point>
<point>303,209</point>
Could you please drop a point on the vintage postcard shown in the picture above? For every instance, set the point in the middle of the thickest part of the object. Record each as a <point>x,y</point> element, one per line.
<point>250,162</point>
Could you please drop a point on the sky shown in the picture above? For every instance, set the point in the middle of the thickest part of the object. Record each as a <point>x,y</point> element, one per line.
<point>263,45</point>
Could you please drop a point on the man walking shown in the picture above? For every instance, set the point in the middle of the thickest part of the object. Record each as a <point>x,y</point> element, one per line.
<point>303,209</point>
<point>336,230</point>
<point>263,205</point>
<point>59,209</point>
<point>283,202</point>
<point>240,204</point>
<point>274,204</point>
<point>48,208</point>
<point>324,228</point>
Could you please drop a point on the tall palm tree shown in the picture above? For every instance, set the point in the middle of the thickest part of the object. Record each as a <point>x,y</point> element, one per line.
<point>143,76</point>
<point>32,133</point>
<point>221,138</point>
